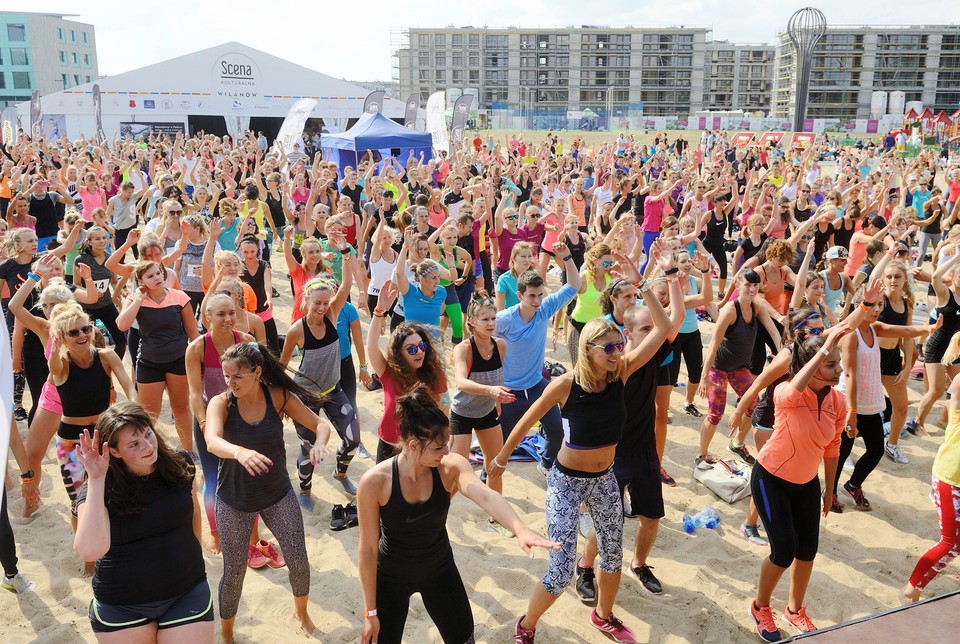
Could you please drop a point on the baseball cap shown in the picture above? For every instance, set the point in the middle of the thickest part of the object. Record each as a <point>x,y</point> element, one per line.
<point>837,252</point>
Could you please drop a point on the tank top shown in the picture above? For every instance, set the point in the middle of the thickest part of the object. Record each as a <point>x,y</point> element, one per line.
<point>832,296</point>
<point>593,420</point>
<point>690,322</point>
<point>773,292</point>
<point>275,206</point>
<point>764,413</point>
<point>256,283</point>
<point>211,370</point>
<point>413,536</point>
<point>889,316</point>
<point>716,229</point>
<point>577,250</point>
<point>191,264</point>
<point>456,268</point>
<point>380,271</point>
<point>319,370</point>
<point>736,348</point>
<point>588,302</point>
<point>258,216</point>
<point>869,387</point>
<point>578,207</point>
<point>482,371</point>
<point>802,214</point>
<point>86,391</point>
<point>235,486</point>
<point>89,202</point>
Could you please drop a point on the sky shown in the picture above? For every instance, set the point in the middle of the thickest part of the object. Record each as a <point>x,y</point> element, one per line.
<point>354,41</point>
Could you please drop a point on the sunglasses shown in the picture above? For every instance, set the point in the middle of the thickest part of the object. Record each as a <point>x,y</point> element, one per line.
<point>607,264</point>
<point>414,349</point>
<point>84,330</point>
<point>610,347</point>
<point>513,217</point>
<point>814,331</point>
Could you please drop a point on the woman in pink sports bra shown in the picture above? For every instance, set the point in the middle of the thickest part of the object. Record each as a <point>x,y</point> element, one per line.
<point>45,422</point>
<point>91,196</point>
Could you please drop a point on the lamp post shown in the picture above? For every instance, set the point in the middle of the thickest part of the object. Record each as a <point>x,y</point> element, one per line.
<point>805,29</point>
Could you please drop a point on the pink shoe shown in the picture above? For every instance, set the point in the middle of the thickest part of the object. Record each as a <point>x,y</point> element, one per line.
<point>613,627</point>
<point>255,558</point>
<point>799,619</point>
<point>275,559</point>
<point>523,635</point>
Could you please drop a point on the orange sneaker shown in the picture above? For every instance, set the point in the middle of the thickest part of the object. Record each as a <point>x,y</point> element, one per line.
<point>255,558</point>
<point>275,559</point>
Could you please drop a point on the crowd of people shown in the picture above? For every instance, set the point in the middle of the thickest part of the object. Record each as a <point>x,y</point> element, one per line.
<point>155,266</point>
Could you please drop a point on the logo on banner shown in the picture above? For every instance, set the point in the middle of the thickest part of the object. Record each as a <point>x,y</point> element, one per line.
<point>167,105</point>
<point>237,75</point>
<point>184,105</point>
<point>149,105</point>
<point>237,106</point>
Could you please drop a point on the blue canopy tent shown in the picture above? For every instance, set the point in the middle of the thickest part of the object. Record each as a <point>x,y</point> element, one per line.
<point>375,132</point>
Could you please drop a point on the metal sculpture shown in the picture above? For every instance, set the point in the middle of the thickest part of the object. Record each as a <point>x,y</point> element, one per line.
<point>805,29</point>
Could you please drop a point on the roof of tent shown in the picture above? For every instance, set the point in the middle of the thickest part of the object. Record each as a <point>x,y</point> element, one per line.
<point>374,131</point>
<point>231,78</point>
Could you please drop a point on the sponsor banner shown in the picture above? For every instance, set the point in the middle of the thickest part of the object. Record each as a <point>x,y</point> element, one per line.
<point>767,137</point>
<point>146,128</point>
<point>8,125</point>
<point>36,115</point>
<point>292,126</point>
<point>460,110</point>
<point>802,139</point>
<point>410,112</point>
<point>437,122</point>
<point>741,139</point>
<point>373,102</point>
<point>98,113</point>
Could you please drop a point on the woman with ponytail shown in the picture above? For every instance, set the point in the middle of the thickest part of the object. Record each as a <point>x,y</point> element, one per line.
<point>404,547</point>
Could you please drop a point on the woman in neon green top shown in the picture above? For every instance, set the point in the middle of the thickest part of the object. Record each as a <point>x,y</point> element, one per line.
<point>595,278</point>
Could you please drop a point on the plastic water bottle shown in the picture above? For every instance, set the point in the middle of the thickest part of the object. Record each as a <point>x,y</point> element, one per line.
<point>706,518</point>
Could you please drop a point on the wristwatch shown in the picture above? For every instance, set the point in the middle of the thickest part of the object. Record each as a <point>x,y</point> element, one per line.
<point>26,475</point>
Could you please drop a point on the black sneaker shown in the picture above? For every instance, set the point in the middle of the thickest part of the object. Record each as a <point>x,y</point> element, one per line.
<point>647,579</point>
<point>374,383</point>
<point>338,518</point>
<point>835,505</point>
<point>856,493</point>
<point>350,513</point>
<point>20,413</point>
<point>586,586</point>
<point>691,409</point>
<point>275,292</point>
<point>742,452</point>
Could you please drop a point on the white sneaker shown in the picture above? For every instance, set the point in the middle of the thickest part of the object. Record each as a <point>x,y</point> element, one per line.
<point>17,584</point>
<point>893,451</point>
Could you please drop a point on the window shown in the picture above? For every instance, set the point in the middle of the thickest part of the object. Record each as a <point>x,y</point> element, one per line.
<point>63,58</point>
<point>440,40</point>
<point>16,33</point>
<point>86,38</point>
<point>474,40</point>
<point>60,34</point>
<point>18,56</point>
<point>424,40</point>
<point>457,76</point>
<point>474,61</point>
<point>424,74</point>
<point>440,60</point>
<point>21,80</point>
<point>474,76</point>
<point>3,80</point>
<point>76,79</point>
<point>440,76</point>
<point>424,60</point>
<point>73,36</point>
<point>86,60</point>
<point>458,61</point>
<point>76,59</point>
<point>88,79</point>
<point>65,79</point>
<point>456,40</point>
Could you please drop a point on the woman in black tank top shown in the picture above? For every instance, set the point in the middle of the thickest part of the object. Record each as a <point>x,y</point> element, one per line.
<point>897,355</point>
<point>404,549</point>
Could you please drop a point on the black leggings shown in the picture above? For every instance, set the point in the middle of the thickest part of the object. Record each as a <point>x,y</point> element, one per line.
<point>108,315</point>
<point>791,515</point>
<point>35,370</point>
<point>871,429</point>
<point>690,346</point>
<point>385,450</point>
<point>133,344</point>
<point>759,358</point>
<point>273,340</point>
<point>8,546</point>
<point>717,248</point>
<point>443,596</point>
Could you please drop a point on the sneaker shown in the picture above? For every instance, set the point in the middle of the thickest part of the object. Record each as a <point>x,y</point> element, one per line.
<point>20,413</point>
<point>374,383</point>
<point>338,518</point>
<point>275,559</point>
<point>857,494</point>
<point>835,505</point>
<point>612,627</point>
<point>275,292</point>
<point>503,530</point>
<point>911,426</point>
<point>306,501</point>
<point>362,451</point>
<point>522,635</point>
<point>894,452</point>
<point>17,584</point>
<point>255,558</point>
<point>752,534</point>
<point>648,581</point>
<point>691,409</point>
<point>628,512</point>
<point>766,626</point>
<point>585,524</point>
<point>709,459</point>
<point>666,479</point>
<point>742,452</point>
<point>543,469</point>
<point>799,619</point>
<point>347,484</point>
<point>586,585</point>
<point>351,514</point>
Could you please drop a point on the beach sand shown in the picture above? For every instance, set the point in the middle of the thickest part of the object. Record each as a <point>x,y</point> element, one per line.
<point>709,578</point>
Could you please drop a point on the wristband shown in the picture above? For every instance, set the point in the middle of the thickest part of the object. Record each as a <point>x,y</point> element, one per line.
<point>33,276</point>
<point>378,312</point>
<point>498,463</point>
<point>564,259</point>
<point>236,454</point>
<point>824,351</point>
<point>23,480</point>
<point>671,271</point>
<point>363,368</point>
<point>370,613</point>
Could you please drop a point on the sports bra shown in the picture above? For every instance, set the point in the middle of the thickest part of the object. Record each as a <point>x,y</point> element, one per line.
<point>889,316</point>
<point>86,391</point>
<point>593,420</point>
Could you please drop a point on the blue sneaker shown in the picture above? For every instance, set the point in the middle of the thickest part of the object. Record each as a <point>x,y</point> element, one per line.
<point>306,501</point>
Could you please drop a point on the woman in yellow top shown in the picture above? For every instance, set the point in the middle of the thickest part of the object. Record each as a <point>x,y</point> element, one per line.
<point>594,279</point>
<point>946,494</point>
<point>252,206</point>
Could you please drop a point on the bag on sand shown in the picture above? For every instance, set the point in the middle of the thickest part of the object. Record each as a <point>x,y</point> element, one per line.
<point>728,478</point>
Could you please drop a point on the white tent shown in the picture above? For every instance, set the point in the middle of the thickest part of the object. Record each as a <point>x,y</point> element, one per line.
<point>231,81</point>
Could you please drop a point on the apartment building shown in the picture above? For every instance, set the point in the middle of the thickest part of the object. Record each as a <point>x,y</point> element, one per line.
<point>43,51</point>
<point>738,77</point>
<point>852,62</point>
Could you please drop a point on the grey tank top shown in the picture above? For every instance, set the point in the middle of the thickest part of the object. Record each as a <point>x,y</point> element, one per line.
<point>485,372</point>
<point>319,370</point>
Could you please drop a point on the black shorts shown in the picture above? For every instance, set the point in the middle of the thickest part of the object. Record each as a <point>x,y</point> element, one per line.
<point>891,361</point>
<point>149,372</point>
<point>195,605</point>
<point>464,425</point>
<point>641,474</point>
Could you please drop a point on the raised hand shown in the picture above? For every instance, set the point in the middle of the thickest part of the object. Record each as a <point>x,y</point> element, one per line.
<point>94,457</point>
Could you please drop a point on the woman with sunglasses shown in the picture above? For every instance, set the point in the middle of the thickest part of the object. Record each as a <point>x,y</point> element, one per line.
<point>594,411</point>
<point>595,277</point>
<point>411,357</point>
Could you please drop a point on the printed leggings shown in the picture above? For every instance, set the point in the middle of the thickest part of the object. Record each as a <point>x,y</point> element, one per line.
<point>947,499</point>
<point>717,380</point>
<point>341,413</point>
<point>566,490</point>
<point>285,521</point>
<point>71,469</point>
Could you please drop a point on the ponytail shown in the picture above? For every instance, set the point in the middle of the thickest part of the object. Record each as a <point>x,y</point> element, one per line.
<point>273,374</point>
<point>419,418</point>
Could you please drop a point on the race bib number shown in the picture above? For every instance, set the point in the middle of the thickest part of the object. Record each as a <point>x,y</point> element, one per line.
<point>102,285</point>
<point>193,270</point>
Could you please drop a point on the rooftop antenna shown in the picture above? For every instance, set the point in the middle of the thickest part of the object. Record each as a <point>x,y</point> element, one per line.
<point>805,28</point>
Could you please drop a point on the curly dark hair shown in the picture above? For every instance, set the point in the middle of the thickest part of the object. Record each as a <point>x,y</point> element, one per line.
<point>430,372</point>
<point>123,490</point>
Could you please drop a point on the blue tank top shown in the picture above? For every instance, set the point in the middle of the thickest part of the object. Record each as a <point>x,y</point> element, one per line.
<point>832,297</point>
<point>690,322</point>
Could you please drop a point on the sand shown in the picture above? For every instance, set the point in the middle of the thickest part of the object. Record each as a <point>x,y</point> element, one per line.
<point>709,578</point>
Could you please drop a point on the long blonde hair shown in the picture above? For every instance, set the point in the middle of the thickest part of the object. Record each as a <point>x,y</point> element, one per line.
<point>584,373</point>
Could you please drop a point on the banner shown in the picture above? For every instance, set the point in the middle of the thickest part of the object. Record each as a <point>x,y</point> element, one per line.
<point>410,115</point>
<point>98,114</point>
<point>741,139</point>
<point>8,125</point>
<point>54,126</point>
<point>460,110</point>
<point>292,126</point>
<point>373,102</point>
<point>36,115</point>
<point>769,137</point>
<point>437,122</point>
<point>135,130</point>
<point>236,126</point>
<point>802,139</point>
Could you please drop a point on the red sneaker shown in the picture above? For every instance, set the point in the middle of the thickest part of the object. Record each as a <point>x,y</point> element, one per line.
<point>799,619</point>
<point>255,558</point>
<point>276,560</point>
<point>613,627</point>
<point>523,635</point>
<point>766,626</point>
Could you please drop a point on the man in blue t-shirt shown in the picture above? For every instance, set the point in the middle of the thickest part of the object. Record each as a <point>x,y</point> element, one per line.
<point>524,327</point>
